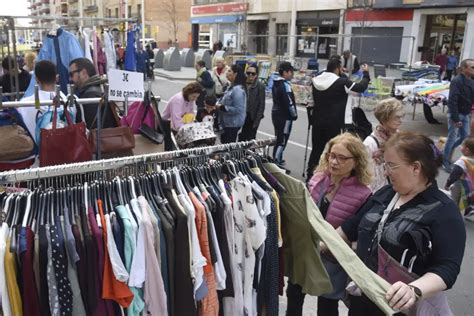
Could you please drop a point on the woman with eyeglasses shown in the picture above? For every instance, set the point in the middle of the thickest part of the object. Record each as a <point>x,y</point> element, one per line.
<point>409,232</point>
<point>389,113</point>
<point>339,187</point>
<point>255,104</point>
<point>232,105</point>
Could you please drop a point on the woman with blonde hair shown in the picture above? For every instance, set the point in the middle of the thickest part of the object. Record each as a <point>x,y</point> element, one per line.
<point>339,187</point>
<point>219,76</point>
<point>29,61</point>
<point>389,113</point>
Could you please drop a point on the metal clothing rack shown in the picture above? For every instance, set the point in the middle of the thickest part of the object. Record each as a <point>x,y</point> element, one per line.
<point>11,177</point>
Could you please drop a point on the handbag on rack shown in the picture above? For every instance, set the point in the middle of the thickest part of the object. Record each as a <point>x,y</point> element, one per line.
<point>138,114</point>
<point>64,145</point>
<point>150,132</point>
<point>15,141</point>
<point>118,139</point>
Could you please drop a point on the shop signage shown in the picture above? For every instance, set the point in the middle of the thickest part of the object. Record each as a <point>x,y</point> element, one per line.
<point>125,84</point>
<point>219,8</point>
<point>217,19</point>
<point>327,22</point>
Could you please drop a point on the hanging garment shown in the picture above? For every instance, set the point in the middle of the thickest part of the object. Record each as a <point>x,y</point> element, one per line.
<point>104,305</point>
<point>11,272</point>
<point>304,227</point>
<point>60,268</point>
<point>31,304</point>
<point>78,308</point>
<point>51,276</point>
<point>112,288</point>
<point>43,270</point>
<point>184,293</point>
<point>101,57</point>
<point>130,59</point>
<point>61,50</point>
<point>109,49</point>
<point>208,306</point>
<point>130,235</point>
<point>87,45</point>
<point>154,291</point>
<point>6,305</point>
<point>81,264</point>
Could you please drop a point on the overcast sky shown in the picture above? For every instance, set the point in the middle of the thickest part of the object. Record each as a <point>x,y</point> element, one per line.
<point>16,7</point>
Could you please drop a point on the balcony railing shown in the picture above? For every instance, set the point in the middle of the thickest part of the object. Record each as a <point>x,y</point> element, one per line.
<point>74,12</point>
<point>91,8</point>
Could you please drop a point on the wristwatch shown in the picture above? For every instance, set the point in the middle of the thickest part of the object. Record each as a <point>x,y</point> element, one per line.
<point>417,291</point>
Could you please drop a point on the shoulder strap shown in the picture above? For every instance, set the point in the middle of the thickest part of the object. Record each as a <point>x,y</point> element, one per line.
<point>385,215</point>
<point>376,140</point>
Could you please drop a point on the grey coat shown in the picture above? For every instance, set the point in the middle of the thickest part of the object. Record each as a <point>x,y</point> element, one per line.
<point>256,101</point>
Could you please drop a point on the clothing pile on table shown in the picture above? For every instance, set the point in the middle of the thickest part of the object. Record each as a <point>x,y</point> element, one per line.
<point>427,92</point>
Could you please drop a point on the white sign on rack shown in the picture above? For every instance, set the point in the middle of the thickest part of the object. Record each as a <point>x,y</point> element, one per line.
<point>125,84</point>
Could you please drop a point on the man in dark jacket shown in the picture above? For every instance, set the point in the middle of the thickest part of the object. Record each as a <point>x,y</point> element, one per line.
<point>330,92</point>
<point>205,80</point>
<point>461,99</point>
<point>255,104</point>
<point>89,85</point>
<point>8,79</point>
<point>284,110</point>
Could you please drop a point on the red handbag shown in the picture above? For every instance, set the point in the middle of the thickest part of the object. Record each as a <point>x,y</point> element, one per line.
<point>64,145</point>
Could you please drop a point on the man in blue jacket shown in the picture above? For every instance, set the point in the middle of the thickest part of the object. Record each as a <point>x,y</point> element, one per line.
<point>460,102</point>
<point>284,110</point>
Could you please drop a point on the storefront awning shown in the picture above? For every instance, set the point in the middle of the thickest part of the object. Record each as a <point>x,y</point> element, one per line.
<point>257,17</point>
<point>217,19</point>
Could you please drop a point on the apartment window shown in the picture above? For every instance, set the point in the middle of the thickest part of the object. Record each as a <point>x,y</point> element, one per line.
<point>139,9</point>
<point>129,11</point>
<point>109,11</point>
<point>116,12</point>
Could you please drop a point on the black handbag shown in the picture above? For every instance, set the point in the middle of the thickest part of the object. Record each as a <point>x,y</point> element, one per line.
<point>145,130</point>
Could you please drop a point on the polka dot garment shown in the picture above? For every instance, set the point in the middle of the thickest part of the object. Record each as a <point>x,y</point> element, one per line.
<point>60,269</point>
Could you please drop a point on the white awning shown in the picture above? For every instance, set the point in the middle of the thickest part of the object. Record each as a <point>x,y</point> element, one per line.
<point>256,17</point>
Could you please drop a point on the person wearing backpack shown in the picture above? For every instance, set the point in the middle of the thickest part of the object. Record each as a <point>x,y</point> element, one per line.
<point>330,94</point>
<point>389,113</point>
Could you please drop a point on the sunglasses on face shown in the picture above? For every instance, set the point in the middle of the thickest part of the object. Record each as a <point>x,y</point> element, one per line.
<point>251,73</point>
<point>71,73</point>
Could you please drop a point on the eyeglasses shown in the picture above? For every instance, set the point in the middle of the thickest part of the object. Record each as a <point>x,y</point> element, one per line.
<point>251,73</point>
<point>339,158</point>
<point>71,73</point>
<point>390,167</point>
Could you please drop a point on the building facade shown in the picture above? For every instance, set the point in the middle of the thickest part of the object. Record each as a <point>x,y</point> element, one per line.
<point>434,25</point>
<point>268,23</point>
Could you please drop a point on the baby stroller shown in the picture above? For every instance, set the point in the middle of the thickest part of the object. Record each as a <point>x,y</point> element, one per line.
<point>196,134</point>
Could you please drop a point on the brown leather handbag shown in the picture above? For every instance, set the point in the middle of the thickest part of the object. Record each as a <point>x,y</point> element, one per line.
<point>64,145</point>
<point>114,139</point>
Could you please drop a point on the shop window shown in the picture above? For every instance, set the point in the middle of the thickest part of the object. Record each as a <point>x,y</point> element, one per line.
<point>306,41</point>
<point>282,38</point>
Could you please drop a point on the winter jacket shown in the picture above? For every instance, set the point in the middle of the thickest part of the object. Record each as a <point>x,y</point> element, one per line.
<point>61,50</point>
<point>330,98</point>
<point>461,97</point>
<point>256,102</point>
<point>284,104</point>
<point>349,197</point>
<point>232,112</point>
<point>92,89</point>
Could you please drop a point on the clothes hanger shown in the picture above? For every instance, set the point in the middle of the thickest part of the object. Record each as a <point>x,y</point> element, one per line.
<point>132,187</point>
<point>26,214</point>
<point>119,190</point>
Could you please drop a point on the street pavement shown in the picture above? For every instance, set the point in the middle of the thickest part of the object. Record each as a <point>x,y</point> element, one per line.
<point>461,297</point>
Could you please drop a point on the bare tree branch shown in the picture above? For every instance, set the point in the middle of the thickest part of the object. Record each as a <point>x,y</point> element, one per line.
<point>170,10</point>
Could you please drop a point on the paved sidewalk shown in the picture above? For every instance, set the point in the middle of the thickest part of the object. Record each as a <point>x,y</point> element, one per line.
<point>186,73</point>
